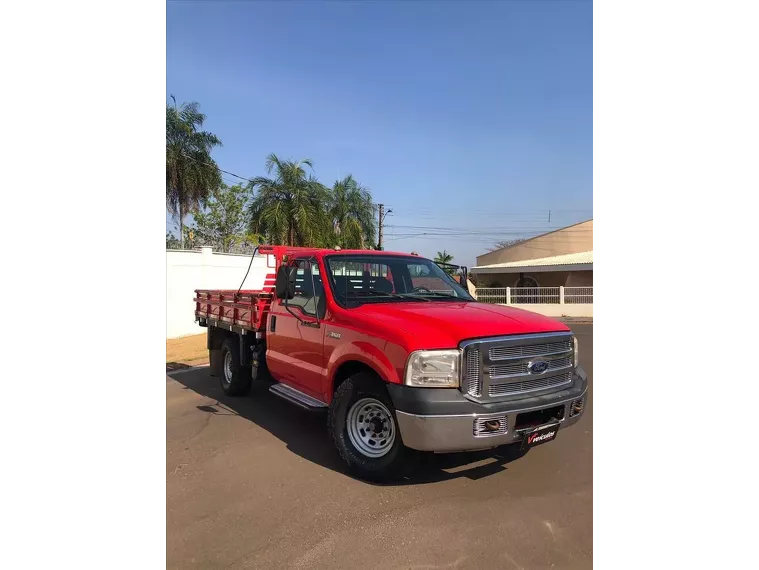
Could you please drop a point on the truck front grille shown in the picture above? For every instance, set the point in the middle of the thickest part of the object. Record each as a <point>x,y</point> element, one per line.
<point>519,368</point>
<point>511,367</point>
<point>526,386</point>
<point>509,352</point>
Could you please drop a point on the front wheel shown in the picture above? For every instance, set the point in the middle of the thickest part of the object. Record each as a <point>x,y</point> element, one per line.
<point>363,426</point>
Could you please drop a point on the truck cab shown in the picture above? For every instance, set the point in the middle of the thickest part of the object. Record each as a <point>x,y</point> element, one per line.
<point>398,353</point>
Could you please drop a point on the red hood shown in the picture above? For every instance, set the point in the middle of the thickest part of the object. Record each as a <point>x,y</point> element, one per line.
<point>446,323</point>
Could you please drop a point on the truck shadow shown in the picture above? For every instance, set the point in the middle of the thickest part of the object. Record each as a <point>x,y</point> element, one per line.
<point>305,433</point>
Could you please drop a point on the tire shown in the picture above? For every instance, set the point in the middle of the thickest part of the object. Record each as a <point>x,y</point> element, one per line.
<point>362,403</point>
<point>235,379</point>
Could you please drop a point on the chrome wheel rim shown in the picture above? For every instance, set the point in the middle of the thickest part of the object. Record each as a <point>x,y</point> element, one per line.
<point>228,367</point>
<point>370,427</point>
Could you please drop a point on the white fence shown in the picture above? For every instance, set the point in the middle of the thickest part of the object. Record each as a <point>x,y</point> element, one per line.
<point>551,301</point>
<point>535,295</point>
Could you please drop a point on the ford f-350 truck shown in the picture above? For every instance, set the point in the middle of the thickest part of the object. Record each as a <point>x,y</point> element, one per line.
<point>397,352</point>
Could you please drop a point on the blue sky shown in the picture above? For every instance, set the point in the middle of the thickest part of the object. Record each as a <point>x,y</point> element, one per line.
<point>474,117</point>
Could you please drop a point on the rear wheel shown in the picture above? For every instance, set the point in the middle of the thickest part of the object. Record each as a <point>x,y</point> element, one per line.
<point>363,426</point>
<point>235,378</point>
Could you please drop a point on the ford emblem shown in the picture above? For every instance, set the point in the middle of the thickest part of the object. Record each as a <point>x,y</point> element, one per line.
<point>537,366</point>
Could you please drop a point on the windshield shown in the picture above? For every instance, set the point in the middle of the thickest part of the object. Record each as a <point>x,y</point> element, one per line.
<point>358,279</point>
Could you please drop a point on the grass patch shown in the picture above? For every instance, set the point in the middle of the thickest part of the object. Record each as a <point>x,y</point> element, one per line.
<point>186,351</point>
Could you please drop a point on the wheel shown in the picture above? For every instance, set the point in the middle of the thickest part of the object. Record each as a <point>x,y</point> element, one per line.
<point>235,379</point>
<point>362,423</point>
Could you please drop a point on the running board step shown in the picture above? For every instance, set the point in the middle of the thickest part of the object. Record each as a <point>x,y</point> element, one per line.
<point>297,397</point>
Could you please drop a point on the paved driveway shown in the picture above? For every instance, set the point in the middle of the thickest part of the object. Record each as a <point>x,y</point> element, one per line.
<point>255,483</point>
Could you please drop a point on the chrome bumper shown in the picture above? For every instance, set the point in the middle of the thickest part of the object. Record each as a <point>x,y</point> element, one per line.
<point>450,433</point>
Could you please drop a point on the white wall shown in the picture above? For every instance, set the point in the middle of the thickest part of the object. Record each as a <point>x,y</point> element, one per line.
<point>190,270</point>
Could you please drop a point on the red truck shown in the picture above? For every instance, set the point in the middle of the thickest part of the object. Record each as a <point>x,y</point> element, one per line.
<point>397,352</point>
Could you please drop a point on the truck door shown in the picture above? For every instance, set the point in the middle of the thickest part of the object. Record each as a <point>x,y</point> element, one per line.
<point>295,339</point>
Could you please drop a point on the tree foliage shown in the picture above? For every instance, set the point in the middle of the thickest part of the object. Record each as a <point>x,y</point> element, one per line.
<point>289,207</point>
<point>223,224</point>
<point>172,242</point>
<point>292,207</point>
<point>351,214</point>
<point>506,243</point>
<point>445,257</point>
<point>191,173</point>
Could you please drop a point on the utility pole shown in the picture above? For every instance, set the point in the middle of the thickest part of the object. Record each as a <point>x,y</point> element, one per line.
<point>381,215</point>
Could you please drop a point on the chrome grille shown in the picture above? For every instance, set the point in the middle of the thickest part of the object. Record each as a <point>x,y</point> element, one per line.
<point>473,384</point>
<point>526,386</point>
<point>496,368</point>
<point>519,368</point>
<point>508,352</point>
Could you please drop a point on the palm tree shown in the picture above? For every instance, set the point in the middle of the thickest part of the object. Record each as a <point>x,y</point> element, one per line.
<point>445,257</point>
<point>352,213</point>
<point>290,206</point>
<point>191,173</point>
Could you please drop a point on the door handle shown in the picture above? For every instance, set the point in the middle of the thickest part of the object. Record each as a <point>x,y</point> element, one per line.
<point>273,319</point>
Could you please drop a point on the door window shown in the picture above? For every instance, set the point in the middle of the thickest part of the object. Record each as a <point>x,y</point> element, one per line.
<point>308,286</point>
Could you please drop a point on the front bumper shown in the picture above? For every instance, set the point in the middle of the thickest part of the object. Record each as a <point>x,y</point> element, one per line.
<point>443,420</point>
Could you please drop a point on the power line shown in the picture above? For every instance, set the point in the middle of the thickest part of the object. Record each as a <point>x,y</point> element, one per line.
<point>482,235</point>
<point>493,228</point>
<point>217,166</point>
<point>542,214</point>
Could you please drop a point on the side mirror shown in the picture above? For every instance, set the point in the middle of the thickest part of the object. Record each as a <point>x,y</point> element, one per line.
<point>284,285</point>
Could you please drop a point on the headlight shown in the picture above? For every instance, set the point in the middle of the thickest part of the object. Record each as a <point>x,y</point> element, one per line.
<point>433,369</point>
<point>577,352</point>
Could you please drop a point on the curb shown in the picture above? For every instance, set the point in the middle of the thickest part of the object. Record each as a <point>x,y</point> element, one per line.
<point>189,369</point>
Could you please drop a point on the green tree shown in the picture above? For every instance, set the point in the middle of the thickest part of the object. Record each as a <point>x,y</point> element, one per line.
<point>223,224</point>
<point>352,214</point>
<point>189,241</point>
<point>172,242</point>
<point>191,173</point>
<point>445,257</point>
<point>290,207</point>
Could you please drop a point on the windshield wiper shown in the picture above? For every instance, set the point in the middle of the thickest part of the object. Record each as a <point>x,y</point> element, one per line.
<point>387,295</point>
<point>437,294</point>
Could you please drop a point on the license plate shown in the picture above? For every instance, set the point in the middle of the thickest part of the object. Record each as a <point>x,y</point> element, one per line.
<point>543,434</point>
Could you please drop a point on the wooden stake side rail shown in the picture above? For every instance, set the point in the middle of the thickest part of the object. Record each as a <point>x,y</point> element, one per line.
<point>246,309</point>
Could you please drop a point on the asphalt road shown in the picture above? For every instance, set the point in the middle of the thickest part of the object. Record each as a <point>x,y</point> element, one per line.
<point>254,482</point>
